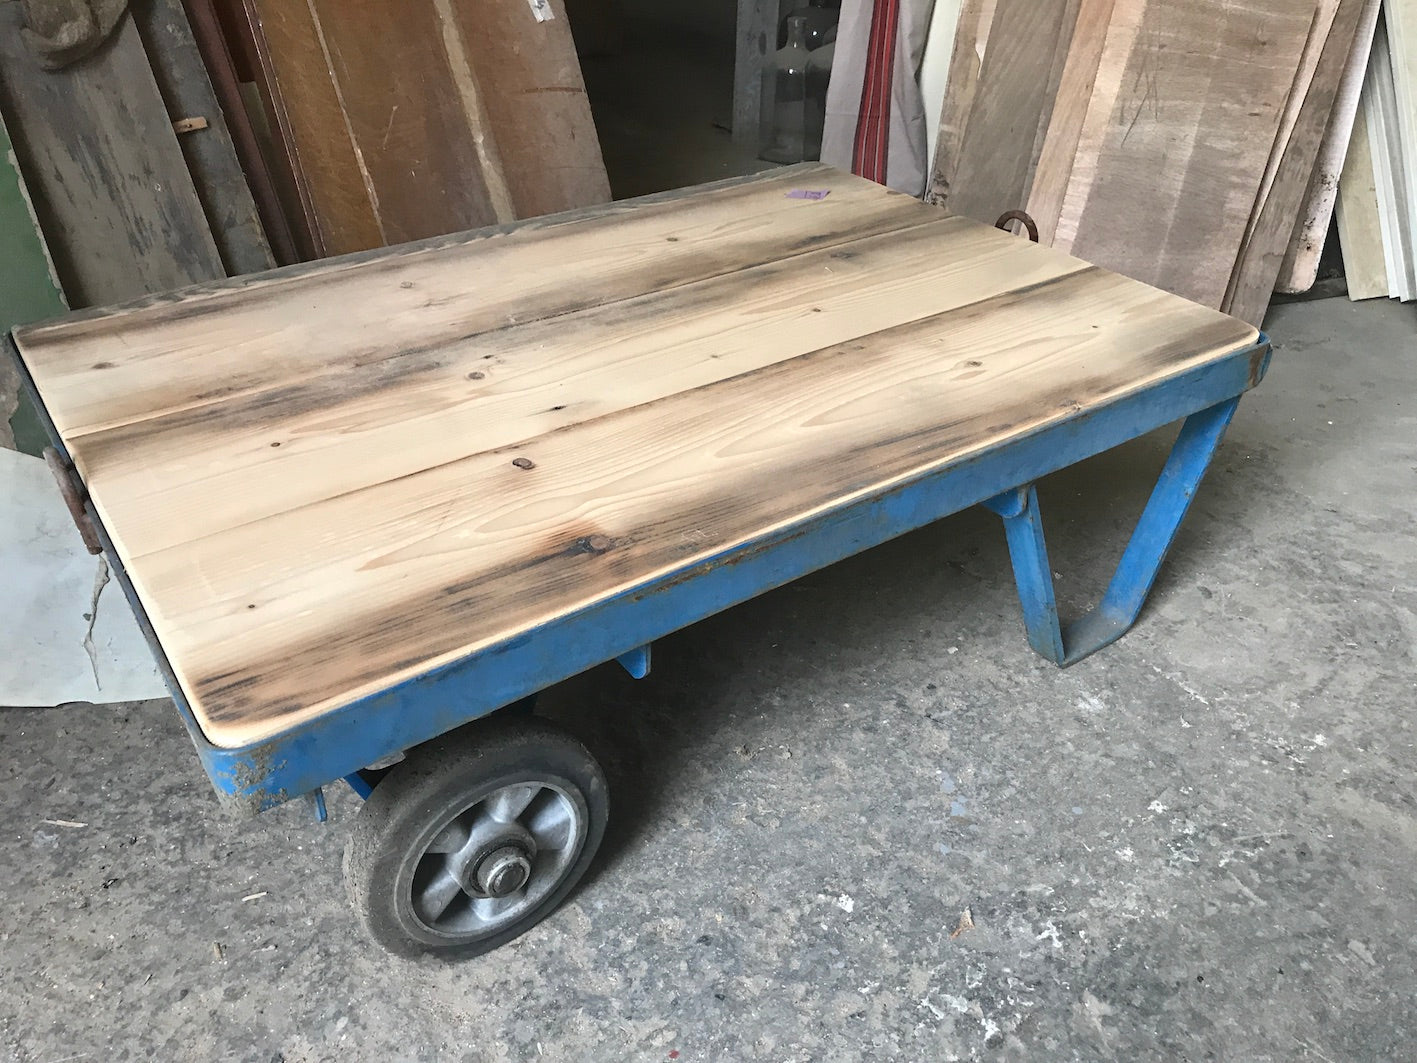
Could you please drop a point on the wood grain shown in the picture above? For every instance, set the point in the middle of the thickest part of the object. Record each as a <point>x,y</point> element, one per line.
<point>1301,259</point>
<point>1071,103</point>
<point>527,381</point>
<point>1319,30</point>
<point>1359,231</point>
<point>966,58</point>
<point>111,190</point>
<point>537,106</point>
<point>1260,259</point>
<point>326,178</point>
<point>1124,18</point>
<point>209,152</point>
<point>410,119</point>
<point>1011,108</point>
<point>661,423</point>
<point>284,326</point>
<point>1173,148</point>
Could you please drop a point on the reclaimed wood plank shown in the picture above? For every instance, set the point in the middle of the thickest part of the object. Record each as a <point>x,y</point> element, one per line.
<point>537,106</point>
<point>1360,232</point>
<point>1173,148</point>
<point>1060,147</point>
<point>1257,268</point>
<point>1301,260</point>
<point>355,311</point>
<point>971,40</point>
<point>1012,106</point>
<point>437,406</point>
<point>209,152</point>
<point>111,190</point>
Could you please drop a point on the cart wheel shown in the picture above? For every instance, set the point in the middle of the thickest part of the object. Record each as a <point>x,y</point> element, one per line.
<point>475,838</point>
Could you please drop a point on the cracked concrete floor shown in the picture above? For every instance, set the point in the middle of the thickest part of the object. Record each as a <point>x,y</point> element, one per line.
<point>1199,844</point>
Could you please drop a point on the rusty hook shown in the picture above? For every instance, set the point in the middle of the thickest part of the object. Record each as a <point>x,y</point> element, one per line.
<point>1018,215</point>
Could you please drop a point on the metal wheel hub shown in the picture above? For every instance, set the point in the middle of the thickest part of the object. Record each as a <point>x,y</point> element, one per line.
<point>494,861</point>
<point>503,871</point>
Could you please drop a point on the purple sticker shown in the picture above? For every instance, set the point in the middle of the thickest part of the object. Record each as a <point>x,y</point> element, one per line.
<point>809,193</point>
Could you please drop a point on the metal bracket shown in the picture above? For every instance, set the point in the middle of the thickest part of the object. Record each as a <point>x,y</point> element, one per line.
<point>75,497</point>
<point>1141,561</point>
<point>636,662</point>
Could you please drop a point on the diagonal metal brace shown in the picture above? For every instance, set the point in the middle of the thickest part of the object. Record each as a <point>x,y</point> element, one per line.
<point>1066,644</point>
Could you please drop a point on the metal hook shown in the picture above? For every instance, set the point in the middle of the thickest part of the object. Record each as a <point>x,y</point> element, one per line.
<point>1018,215</point>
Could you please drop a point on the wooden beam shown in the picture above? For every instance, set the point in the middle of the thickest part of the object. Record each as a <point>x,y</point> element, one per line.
<point>208,149</point>
<point>1012,106</point>
<point>1252,282</point>
<point>1301,259</point>
<point>1359,231</point>
<point>966,59</point>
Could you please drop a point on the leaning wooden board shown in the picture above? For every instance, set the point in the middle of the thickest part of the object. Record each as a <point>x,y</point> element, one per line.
<point>329,478</point>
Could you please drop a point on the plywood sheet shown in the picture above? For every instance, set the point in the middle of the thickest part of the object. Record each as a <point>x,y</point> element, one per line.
<point>668,417</point>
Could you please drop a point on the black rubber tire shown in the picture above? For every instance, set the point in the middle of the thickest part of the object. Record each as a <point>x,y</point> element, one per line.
<point>435,782</point>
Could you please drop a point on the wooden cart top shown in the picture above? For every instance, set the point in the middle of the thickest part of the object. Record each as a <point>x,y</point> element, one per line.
<point>329,478</point>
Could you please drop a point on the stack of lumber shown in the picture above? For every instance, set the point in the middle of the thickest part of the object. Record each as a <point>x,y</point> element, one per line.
<point>423,117</point>
<point>1377,193</point>
<point>1177,143</point>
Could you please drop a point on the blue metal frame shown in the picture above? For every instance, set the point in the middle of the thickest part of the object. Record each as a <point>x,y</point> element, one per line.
<point>1196,444</point>
<point>338,744</point>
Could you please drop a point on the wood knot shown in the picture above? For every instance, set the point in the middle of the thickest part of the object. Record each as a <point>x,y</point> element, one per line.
<point>524,463</point>
<point>594,544</point>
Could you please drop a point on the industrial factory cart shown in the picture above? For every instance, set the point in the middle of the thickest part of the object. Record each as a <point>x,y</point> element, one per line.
<point>361,505</point>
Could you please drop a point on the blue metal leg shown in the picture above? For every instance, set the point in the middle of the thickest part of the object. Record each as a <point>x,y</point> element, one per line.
<point>1032,573</point>
<point>360,785</point>
<point>1140,563</point>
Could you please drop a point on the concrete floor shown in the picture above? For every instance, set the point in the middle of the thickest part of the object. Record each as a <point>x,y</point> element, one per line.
<point>857,819</point>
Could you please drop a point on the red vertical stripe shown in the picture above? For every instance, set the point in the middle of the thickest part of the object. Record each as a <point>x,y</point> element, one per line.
<point>870,147</point>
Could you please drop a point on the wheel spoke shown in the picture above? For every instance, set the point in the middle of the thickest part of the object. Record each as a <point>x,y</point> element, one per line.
<point>510,802</point>
<point>489,908</point>
<point>450,839</point>
<point>553,824</point>
<point>433,900</point>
